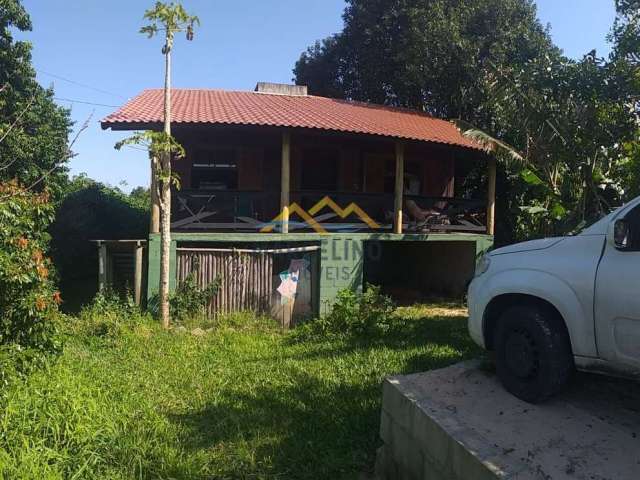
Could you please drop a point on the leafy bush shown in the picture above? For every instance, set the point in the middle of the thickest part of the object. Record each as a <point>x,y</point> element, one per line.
<point>108,315</point>
<point>355,314</point>
<point>189,301</point>
<point>28,299</point>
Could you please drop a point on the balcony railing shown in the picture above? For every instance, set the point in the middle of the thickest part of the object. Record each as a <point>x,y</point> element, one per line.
<point>245,211</point>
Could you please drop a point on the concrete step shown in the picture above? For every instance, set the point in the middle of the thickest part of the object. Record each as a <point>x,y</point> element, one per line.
<point>458,423</point>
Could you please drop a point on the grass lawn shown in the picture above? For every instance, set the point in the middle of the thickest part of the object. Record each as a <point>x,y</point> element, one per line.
<point>246,401</point>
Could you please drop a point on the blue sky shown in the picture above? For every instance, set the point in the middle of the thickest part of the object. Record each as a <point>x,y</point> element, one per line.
<point>95,44</point>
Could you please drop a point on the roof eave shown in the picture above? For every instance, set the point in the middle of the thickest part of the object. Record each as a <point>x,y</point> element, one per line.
<point>130,126</point>
<point>137,126</point>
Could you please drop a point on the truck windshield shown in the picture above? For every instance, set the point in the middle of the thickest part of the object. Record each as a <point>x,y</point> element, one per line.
<point>589,222</point>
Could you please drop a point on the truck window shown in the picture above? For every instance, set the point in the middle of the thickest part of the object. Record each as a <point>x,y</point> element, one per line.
<point>633,218</point>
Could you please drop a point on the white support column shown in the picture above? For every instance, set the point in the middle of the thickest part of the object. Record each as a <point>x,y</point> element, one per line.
<point>102,266</point>
<point>137,273</point>
<point>399,188</point>
<point>285,174</point>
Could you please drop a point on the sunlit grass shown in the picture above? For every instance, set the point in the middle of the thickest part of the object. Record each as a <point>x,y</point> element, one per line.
<point>245,401</point>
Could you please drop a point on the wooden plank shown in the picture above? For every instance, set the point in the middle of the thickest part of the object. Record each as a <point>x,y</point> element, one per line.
<point>285,180</point>
<point>454,228</point>
<point>250,169</point>
<point>310,248</point>
<point>438,177</point>
<point>399,188</point>
<point>491,196</point>
<point>192,219</point>
<point>374,172</point>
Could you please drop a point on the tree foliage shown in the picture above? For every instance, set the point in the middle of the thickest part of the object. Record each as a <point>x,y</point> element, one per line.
<point>430,55</point>
<point>169,18</point>
<point>33,129</point>
<point>626,30</point>
<point>567,128</point>
<point>158,144</point>
<point>28,298</point>
<point>626,55</point>
<point>90,210</point>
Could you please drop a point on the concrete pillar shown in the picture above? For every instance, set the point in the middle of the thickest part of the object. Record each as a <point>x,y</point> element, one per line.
<point>137,273</point>
<point>102,266</point>
<point>399,188</point>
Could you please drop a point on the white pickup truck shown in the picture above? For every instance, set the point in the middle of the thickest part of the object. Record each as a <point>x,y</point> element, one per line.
<point>547,307</point>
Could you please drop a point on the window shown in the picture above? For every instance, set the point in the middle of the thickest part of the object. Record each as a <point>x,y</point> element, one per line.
<point>215,169</point>
<point>633,220</point>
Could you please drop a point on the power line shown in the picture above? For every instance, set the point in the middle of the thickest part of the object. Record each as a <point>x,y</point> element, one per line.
<point>85,103</point>
<point>84,85</point>
<point>133,147</point>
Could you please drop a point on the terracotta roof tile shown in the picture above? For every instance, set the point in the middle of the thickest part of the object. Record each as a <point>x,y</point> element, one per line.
<point>253,108</point>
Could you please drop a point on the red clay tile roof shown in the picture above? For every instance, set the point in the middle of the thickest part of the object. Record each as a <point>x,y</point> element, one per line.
<point>252,108</point>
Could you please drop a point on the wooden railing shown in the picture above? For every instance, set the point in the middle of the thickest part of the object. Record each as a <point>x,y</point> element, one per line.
<point>207,210</point>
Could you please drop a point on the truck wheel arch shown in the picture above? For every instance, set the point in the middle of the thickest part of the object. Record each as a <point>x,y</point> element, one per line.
<point>501,303</point>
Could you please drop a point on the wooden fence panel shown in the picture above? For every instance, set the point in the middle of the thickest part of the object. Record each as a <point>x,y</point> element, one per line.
<point>245,277</point>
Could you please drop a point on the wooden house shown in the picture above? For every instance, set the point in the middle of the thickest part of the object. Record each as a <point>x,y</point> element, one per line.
<point>360,192</point>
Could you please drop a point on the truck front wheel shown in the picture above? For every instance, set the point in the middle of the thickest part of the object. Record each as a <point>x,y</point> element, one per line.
<point>533,352</point>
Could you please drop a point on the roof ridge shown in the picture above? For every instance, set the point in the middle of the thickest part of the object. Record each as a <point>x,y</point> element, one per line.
<point>393,108</point>
<point>348,101</point>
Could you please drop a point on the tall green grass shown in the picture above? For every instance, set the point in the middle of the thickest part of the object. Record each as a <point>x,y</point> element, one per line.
<point>127,400</point>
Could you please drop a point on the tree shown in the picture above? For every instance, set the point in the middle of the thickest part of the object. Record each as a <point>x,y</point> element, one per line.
<point>90,210</point>
<point>141,196</point>
<point>626,56</point>
<point>170,19</point>
<point>431,55</point>
<point>626,31</point>
<point>33,129</point>
<point>570,120</point>
<point>493,64</point>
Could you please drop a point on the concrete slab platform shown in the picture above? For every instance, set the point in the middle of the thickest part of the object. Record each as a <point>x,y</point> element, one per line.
<point>459,424</point>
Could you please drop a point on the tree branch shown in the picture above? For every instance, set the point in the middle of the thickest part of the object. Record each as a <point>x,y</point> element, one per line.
<point>68,155</point>
<point>15,122</point>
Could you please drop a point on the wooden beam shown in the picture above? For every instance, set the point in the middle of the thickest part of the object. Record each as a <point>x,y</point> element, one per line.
<point>399,188</point>
<point>285,173</point>
<point>102,266</point>
<point>491,196</point>
<point>154,223</point>
<point>137,273</point>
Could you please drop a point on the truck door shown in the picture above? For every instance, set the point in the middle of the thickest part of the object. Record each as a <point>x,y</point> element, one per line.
<point>617,295</point>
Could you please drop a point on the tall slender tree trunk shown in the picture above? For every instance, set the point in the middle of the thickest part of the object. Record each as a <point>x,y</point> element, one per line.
<point>165,200</point>
<point>154,221</point>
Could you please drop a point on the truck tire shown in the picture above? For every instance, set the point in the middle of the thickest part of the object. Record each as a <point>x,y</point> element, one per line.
<point>533,352</point>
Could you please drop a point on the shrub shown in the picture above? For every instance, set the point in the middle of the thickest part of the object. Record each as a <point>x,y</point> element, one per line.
<point>108,315</point>
<point>28,300</point>
<point>355,314</point>
<point>189,301</point>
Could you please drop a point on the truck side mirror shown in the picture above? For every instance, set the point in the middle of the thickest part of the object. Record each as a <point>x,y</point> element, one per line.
<point>622,234</point>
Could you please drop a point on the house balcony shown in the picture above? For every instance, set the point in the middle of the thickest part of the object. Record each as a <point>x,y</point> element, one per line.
<point>321,212</point>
